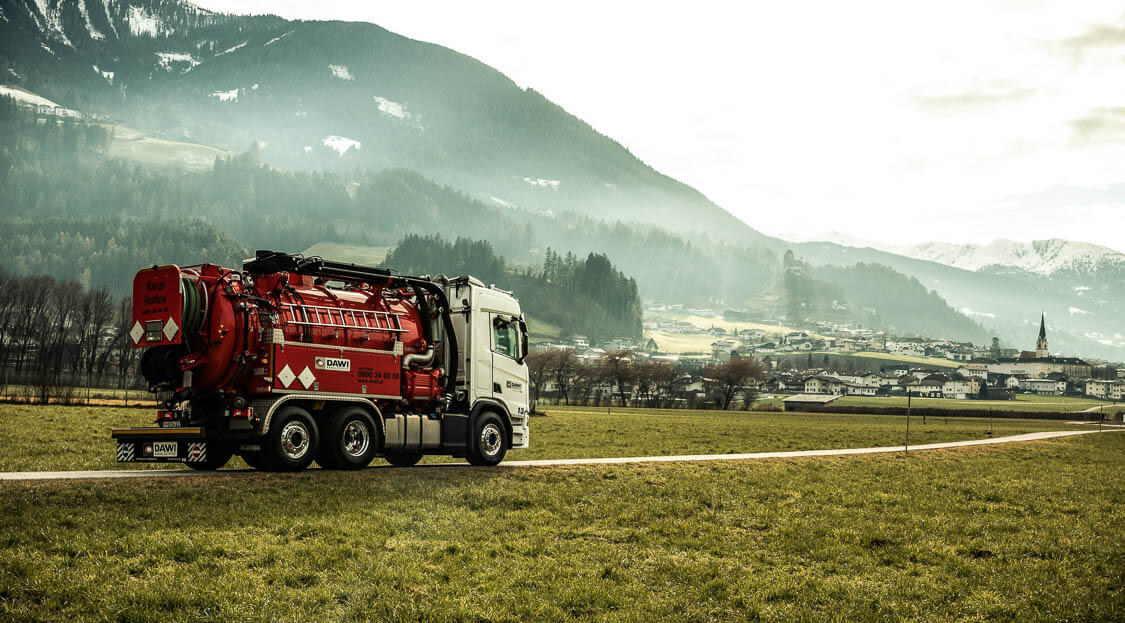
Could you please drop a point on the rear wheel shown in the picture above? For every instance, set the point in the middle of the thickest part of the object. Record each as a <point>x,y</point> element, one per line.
<point>349,441</point>
<point>489,443</point>
<point>403,458</point>
<point>218,454</point>
<point>292,441</point>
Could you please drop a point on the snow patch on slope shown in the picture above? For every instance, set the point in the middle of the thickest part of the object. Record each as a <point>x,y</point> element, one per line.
<point>168,58</point>
<point>341,72</point>
<point>225,96</point>
<point>278,38</point>
<point>109,20</point>
<point>51,21</point>
<point>141,22</point>
<point>542,183</point>
<point>94,33</point>
<point>341,143</point>
<point>42,104</point>
<point>108,75</point>
<point>392,109</point>
<point>229,50</point>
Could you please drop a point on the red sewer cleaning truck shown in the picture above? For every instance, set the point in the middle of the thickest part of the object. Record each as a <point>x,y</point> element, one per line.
<point>294,359</point>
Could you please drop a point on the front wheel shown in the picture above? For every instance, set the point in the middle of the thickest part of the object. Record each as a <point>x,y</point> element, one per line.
<point>489,443</point>
<point>292,441</point>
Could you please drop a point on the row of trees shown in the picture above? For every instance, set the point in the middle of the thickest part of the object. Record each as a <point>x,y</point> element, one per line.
<point>55,333</point>
<point>619,377</point>
<point>433,254</point>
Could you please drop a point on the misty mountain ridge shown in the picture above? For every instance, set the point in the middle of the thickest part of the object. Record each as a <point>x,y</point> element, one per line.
<point>1041,257</point>
<point>462,142</point>
<point>336,96</point>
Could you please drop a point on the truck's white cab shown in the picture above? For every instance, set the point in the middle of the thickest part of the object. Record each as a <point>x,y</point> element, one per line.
<point>492,335</point>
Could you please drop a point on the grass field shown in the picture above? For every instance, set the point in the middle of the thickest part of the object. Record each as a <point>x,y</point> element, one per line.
<point>81,393</point>
<point>36,438</point>
<point>1013,533</point>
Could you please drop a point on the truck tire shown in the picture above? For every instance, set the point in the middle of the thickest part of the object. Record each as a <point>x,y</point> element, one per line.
<point>349,441</point>
<point>218,454</point>
<point>292,441</point>
<point>489,442</point>
<point>403,458</point>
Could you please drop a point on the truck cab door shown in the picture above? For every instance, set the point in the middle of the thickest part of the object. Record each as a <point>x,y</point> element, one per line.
<point>509,373</point>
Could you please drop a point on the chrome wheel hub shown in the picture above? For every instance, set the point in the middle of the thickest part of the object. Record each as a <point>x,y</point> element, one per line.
<point>356,439</point>
<point>294,440</point>
<point>491,439</point>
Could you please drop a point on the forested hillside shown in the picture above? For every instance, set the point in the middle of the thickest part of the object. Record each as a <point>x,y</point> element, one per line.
<point>586,296</point>
<point>900,302</point>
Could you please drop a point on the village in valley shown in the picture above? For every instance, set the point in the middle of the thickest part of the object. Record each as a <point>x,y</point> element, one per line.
<point>815,366</point>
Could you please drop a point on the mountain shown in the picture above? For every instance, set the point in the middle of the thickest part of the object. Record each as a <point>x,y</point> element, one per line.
<point>1042,257</point>
<point>337,96</point>
<point>290,134</point>
<point>1085,318</point>
<point>1049,258</point>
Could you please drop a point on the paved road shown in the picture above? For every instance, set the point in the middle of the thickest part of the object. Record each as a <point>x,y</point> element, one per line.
<point>178,473</point>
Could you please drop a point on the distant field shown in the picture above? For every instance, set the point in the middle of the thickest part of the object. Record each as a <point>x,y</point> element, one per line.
<point>1022,402</point>
<point>539,331</point>
<point>132,145</point>
<point>1013,533</point>
<point>680,343</point>
<point>66,438</point>
<point>353,253</point>
<point>706,323</point>
<point>925,361</point>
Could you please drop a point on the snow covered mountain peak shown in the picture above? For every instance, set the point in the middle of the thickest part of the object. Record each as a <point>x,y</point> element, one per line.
<point>1043,257</point>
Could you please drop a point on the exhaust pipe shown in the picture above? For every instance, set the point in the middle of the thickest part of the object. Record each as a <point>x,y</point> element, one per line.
<point>424,358</point>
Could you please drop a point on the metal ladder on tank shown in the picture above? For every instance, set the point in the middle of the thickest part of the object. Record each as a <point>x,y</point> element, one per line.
<point>341,318</point>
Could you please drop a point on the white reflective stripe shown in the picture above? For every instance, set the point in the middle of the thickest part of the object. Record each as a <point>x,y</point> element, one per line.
<point>137,333</point>
<point>170,328</point>
<point>286,376</point>
<point>307,377</point>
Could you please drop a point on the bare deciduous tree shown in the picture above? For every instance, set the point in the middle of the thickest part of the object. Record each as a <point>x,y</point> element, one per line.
<point>732,377</point>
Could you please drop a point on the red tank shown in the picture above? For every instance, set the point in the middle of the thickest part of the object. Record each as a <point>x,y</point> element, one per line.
<point>217,331</point>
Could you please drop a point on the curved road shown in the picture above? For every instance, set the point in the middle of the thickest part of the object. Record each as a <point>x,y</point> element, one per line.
<point>168,473</point>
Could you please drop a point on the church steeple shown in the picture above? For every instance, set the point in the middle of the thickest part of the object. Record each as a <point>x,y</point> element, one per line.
<point>1041,344</point>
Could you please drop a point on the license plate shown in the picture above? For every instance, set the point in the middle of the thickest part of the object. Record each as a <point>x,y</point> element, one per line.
<point>170,424</point>
<point>165,449</point>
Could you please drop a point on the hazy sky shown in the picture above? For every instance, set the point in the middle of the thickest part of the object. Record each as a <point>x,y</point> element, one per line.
<point>890,121</point>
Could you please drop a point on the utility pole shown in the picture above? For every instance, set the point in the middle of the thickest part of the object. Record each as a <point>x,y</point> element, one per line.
<point>906,448</point>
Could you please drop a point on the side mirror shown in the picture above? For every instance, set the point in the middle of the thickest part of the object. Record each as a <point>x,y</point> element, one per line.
<point>523,341</point>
